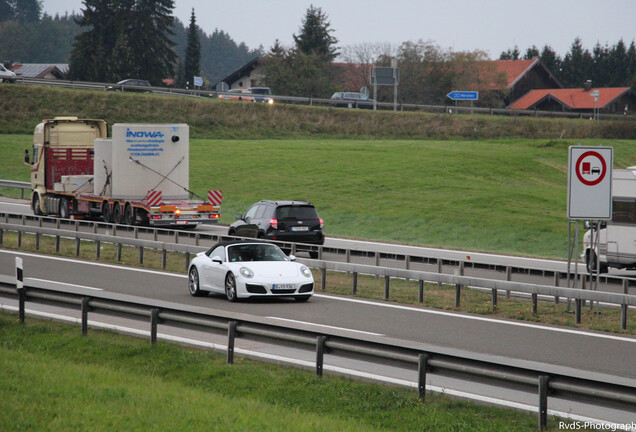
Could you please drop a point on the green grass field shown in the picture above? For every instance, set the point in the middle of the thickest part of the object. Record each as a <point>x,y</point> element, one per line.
<point>505,196</point>
<point>54,379</point>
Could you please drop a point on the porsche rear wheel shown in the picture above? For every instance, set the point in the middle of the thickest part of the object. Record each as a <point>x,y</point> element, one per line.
<point>194,284</point>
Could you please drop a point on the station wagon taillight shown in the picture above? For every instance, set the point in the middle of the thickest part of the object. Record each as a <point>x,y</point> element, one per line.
<point>274,223</point>
<point>322,224</point>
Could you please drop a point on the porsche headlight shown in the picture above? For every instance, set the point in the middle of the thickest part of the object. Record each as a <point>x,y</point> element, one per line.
<point>305,271</point>
<point>246,273</point>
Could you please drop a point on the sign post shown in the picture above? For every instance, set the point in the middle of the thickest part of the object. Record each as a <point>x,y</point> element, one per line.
<point>589,195</point>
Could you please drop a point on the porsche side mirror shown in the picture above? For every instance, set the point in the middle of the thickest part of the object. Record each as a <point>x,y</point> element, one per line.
<point>217,260</point>
<point>292,257</point>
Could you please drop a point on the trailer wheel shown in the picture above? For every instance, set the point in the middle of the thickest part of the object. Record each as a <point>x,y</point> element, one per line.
<point>117,216</point>
<point>106,214</point>
<point>64,211</point>
<point>129,215</point>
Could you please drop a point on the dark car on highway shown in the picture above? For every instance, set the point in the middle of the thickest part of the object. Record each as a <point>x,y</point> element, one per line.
<point>352,100</point>
<point>289,221</point>
<point>132,85</point>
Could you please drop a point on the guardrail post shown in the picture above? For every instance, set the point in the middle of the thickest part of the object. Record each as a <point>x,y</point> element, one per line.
<point>508,278</point>
<point>19,239</point>
<point>543,401</point>
<point>85,315</point>
<point>494,299</point>
<point>420,291</point>
<point>354,285</point>
<point>348,255</point>
<point>577,311</point>
<point>377,259</point>
<point>556,284</point>
<point>231,336</point>
<point>154,319</point>
<point>320,354</point>
<point>407,262</point>
<point>1,235</point>
<point>187,260</point>
<point>164,257</point>
<point>439,270</point>
<point>77,246</point>
<point>534,303</point>
<point>176,237</point>
<point>293,250</point>
<point>624,316</point>
<point>323,278</point>
<point>19,286</point>
<point>422,368</point>
<point>37,241</point>
<point>57,243</point>
<point>387,282</point>
<point>98,245</point>
<point>141,254</point>
<point>118,251</point>
<point>625,281</point>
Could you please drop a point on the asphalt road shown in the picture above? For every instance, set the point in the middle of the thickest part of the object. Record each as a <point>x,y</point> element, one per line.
<point>595,353</point>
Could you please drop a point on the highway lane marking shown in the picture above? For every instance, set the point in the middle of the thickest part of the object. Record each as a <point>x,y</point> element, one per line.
<point>366,302</point>
<point>478,318</point>
<point>93,263</point>
<point>307,364</point>
<point>325,326</point>
<point>69,284</point>
<point>16,204</point>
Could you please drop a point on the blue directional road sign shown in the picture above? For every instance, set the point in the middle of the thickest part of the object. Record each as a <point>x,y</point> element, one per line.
<point>463,95</point>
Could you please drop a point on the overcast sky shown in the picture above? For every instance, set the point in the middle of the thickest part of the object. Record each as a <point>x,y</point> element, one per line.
<point>489,25</point>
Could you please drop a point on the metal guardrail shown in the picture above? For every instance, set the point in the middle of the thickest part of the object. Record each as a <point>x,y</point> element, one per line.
<point>16,184</point>
<point>545,382</point>
<point>442,109</point>
<point>624,301</point>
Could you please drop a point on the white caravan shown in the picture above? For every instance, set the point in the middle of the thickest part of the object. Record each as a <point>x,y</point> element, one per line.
<point>616,246</point>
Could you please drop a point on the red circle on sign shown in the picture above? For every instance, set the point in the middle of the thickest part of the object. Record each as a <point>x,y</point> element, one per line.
<point>578,170</point>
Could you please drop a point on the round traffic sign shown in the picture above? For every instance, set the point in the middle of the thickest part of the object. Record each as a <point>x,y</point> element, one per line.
<point>590,168</point>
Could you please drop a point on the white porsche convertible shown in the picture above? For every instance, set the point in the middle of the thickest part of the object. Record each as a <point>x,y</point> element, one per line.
<point>242,269</point>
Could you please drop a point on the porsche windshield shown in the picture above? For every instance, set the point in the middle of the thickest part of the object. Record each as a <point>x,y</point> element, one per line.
<point>254,252</point>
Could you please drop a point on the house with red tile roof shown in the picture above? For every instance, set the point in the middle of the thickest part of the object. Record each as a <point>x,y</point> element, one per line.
<point>514,78</point>
<point>610,100</point>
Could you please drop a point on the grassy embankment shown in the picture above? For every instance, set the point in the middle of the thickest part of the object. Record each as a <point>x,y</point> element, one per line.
<point>504,196</point>
<point>57,380</point>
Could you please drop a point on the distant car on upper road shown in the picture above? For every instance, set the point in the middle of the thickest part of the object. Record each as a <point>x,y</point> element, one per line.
<point>236,94</point>
<point>131,85</point>
<point>352,100</point>
<point>6,75</point>
<point>249,269</point>
<point>288,221</point>
<point>261,94</point>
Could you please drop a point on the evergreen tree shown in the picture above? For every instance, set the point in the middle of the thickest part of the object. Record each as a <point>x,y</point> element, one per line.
<point>193,51</point>
<point>532,52</point>
<point>510,54</point>
<point>551,60</point>
<point>6,11</point>
<point>27,11</point>
<point>577,66</point>
<point>315,35</point>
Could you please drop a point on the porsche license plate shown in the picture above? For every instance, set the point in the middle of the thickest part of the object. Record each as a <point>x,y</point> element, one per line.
<point>300,228</point>
<point>282,286</point>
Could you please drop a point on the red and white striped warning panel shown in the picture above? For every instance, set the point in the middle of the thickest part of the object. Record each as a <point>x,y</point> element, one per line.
<point>154,198</point>
<point>215,197</point>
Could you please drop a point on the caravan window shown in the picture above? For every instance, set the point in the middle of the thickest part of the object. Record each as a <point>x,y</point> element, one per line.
<point>624,211</point>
